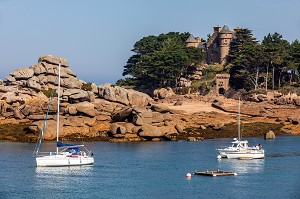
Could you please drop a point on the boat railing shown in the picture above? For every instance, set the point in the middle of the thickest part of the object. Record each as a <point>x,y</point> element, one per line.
<point>221,147</point>
<point>40,154</point>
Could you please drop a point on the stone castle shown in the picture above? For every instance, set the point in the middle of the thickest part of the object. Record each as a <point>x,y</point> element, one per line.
<point>216,48</point>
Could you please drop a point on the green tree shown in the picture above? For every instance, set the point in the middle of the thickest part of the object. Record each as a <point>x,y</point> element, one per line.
<point>159,61</point>
<point>294,64</point>
<point>276,53</point>
<point>244,58</point>
<point>295,53</point>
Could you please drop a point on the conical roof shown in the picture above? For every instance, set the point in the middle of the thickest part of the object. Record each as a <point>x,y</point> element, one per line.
<point>225,29</point>
<point>191,39</point>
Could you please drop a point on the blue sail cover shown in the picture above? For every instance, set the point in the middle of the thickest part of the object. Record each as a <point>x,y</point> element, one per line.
<point>60,144</point>
<point>73,150</point>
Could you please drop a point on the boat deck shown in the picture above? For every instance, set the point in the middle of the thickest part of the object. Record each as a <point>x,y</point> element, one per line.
<point>216,173</point>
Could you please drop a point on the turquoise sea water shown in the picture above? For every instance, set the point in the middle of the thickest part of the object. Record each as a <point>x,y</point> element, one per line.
<point>154,170</point>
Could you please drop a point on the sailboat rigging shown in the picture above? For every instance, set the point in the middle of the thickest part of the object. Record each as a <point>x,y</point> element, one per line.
<point>65,154</point>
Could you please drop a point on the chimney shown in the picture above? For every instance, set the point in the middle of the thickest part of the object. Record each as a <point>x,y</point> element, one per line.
<point>237,28</point>
<point>217,28</point>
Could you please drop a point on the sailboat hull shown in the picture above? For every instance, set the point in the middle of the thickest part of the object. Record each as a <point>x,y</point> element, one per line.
<point>62,160</point>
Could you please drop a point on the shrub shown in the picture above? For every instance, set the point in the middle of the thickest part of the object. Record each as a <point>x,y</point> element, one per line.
<point>87,86</point>
<point>50,92</point>
<point>258,91</point>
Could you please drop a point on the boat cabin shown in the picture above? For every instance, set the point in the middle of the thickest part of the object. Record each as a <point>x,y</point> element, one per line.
<point>239,144</point>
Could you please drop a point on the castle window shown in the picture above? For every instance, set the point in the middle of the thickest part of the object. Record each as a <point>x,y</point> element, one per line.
<point>212,51</point>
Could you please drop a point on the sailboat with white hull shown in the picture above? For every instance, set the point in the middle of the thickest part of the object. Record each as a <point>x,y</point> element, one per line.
<point>65,154</point>
<point>239,149</point>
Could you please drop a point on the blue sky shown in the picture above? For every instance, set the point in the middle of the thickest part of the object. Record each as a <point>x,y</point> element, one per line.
<point>96,36</point>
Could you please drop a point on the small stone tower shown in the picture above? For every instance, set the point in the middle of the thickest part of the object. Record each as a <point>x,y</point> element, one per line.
<point>225,36</point>
<point>191,41</point>
<point>222,83</point>
<point>194,42</point>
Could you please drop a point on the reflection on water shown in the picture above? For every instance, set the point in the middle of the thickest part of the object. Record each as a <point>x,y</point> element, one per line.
<point>278,155</point>
<point>62,176</point>
<point>243,166</point>
<point>72,170</point>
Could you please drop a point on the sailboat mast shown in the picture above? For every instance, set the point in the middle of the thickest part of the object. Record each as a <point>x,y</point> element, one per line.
<point>239,119</point>
<point>58,104</point>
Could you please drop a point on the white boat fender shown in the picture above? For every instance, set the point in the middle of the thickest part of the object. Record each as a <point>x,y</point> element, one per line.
<point>219,156</point>
<point>188,176</point>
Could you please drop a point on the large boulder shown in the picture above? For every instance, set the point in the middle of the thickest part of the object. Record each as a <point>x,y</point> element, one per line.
<point>10,79</point>
<point>160,108</point>
<point>294,120</point>
<point>123,96</point>
<point>100,129</point>
<point>49,131</point>
<point>22,73</point>
<point>148,130</point>
<point>163,93</point>
<point>71,82</point>
<point>269,135</point>
<point>121,115</point>
<point>11,98</point>
<point>86,108</point>
<point>52,69</point>
<point>117,130</point>
<point>33,83</point>
<point>104,106</point>
<point>296,101</point>
<point>139,118</point>
<point>53,60</point>
<point>113,93</point>
<point>75,95</point>
<point>26,110</point>
<point>79,121</point>
<point>18,114</point>
<point>179,127</point>
<point>38,69</point>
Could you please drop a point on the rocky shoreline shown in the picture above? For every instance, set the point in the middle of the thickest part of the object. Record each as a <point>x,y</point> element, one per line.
<point>111,113</point>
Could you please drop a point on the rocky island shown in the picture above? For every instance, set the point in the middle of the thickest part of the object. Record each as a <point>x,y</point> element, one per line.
<point>112,113</point>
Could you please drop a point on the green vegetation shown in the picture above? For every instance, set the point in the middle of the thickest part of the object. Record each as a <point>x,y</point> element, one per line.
<point>274,63</point>
<point>16,132</point>
<point>50,92</point>
<point>87,86</point>
<point>159,61</point>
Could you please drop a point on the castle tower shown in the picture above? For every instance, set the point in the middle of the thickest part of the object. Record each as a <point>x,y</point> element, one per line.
<point>191,41</point>
<point>224,38</point>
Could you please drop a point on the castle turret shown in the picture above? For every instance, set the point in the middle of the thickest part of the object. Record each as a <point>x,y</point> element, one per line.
<point>224,38</point>
<point>191,41</point>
